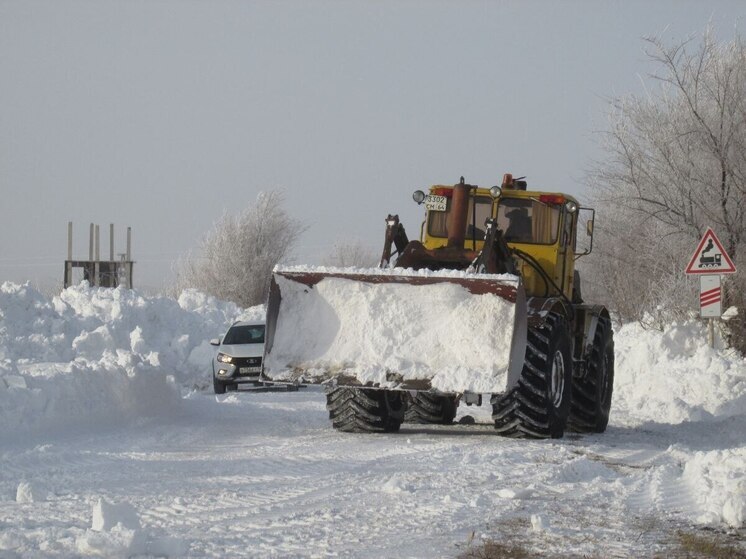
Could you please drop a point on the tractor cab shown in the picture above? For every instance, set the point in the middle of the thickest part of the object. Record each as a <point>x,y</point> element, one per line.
<point>540,228</point>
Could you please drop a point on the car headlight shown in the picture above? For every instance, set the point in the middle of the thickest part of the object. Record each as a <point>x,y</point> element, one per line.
<point>223,358</point>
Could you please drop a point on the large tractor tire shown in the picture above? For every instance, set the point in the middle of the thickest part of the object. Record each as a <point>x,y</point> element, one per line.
<point>539,405</point>
<point>591,393</point>
<point>431,408</point>
<point>360,410</point>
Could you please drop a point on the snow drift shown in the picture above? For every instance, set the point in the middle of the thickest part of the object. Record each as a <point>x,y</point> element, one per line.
<point>92,355</point>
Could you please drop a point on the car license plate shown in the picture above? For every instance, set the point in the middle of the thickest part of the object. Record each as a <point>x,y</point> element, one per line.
<point>250,370</point>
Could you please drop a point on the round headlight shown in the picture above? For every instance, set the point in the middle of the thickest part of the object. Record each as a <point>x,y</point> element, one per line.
<point>571,206</point>
<point>418,196</point>
<point>495,191</point>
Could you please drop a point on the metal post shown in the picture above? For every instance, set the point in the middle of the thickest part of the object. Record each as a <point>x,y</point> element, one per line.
<point>711,332</point>
<point>111,242</point>
<point>69,240</point>
<point>129,244</point>
<point>90,245</point>
<point>96,264</point>
<point>129,257</point>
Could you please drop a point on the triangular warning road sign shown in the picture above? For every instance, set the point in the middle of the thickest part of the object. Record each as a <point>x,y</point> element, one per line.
<point>710,257</point>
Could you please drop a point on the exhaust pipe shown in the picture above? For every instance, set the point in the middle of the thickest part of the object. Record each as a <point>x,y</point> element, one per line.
<point>459,214</point>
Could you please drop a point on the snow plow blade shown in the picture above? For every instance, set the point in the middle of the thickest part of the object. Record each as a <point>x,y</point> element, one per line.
<point>447,332</point>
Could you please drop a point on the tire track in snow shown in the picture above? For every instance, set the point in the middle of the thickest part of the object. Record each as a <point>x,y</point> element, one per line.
<point>265,476</point>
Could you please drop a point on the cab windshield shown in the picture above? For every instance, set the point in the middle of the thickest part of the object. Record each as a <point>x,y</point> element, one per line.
<point>528,221</point>
<point>245,335</point>
<point>437,225</point>
<point>523,220</point>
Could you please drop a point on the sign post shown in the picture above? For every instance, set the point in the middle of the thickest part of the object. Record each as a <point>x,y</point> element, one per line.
<point>709,261</point>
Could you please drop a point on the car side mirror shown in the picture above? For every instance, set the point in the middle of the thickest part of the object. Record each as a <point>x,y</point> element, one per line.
<point>215,341</point>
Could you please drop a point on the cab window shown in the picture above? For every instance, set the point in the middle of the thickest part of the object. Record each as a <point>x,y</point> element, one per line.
<point>437,224</point>
<point>528,221</point>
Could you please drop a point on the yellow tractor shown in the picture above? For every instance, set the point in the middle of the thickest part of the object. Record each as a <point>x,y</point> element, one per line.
<point>486,302</point>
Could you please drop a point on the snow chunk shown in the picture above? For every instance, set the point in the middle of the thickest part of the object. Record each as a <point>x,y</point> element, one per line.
<point>718,479</point>
<point>107,515</point>
<point>92,344</point>
<point>116,532</point>
<point>514,493</point>
<point>30,493</point>
<point>120,541</point>
<point>730,312</point>
<point>395,484</point>
<point>539,523</point>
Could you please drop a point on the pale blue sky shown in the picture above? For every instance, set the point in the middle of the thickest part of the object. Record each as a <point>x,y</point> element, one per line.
<point>160,115</point>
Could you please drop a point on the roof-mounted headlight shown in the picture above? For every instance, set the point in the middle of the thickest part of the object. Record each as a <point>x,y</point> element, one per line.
<point>496,191</point>
<point>571,206</point>
<point>418,196</point>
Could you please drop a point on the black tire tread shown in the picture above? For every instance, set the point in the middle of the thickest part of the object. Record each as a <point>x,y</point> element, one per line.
<point>524,411</point>
<point>424,407</point>
<point>360,410</point>
<point>588,414</point>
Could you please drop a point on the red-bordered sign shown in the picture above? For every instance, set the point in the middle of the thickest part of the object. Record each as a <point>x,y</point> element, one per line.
<point>710,257</point>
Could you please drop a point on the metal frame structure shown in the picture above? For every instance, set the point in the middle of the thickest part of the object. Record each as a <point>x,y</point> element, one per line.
<point>100,273</point>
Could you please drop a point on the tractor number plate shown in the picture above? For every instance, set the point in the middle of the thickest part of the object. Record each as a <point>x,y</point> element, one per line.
<point>435,203</point>
<point>250,370</point>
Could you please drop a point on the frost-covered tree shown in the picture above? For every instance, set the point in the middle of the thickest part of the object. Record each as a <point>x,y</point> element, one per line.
<point>675,164</point>
<point>352,253</point>
<point>234,261</point>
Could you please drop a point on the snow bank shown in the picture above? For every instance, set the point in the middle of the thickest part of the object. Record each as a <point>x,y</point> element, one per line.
<point>92,355</point>
<point>673,376</point>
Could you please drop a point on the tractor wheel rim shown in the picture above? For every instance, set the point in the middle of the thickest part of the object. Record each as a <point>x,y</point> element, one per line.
<point>557,385</point>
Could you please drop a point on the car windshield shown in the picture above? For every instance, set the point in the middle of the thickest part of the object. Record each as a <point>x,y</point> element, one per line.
<point>245,335</point>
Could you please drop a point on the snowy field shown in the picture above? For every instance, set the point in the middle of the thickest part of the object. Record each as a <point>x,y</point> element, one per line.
<point>111,445</point>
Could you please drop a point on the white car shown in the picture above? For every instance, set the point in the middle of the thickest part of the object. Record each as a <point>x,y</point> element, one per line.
<point>239,356</point>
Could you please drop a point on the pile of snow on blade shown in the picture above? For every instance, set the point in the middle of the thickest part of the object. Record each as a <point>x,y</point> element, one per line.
<point>439,332</point>
<point>93,355</point>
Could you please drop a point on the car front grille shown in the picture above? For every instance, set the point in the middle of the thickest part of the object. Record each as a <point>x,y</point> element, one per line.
<point>247,361</point>
<point>242,363</point>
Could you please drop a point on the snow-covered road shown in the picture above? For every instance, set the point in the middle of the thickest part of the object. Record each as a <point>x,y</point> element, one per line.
<point>264,475</point>
<point>112,445</point>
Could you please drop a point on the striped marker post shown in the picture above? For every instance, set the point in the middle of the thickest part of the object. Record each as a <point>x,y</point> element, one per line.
<point>710,303</point>
<point>710,297</point>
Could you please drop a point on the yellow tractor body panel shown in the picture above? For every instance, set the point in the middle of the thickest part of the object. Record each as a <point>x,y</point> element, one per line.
<point>554,255</point>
